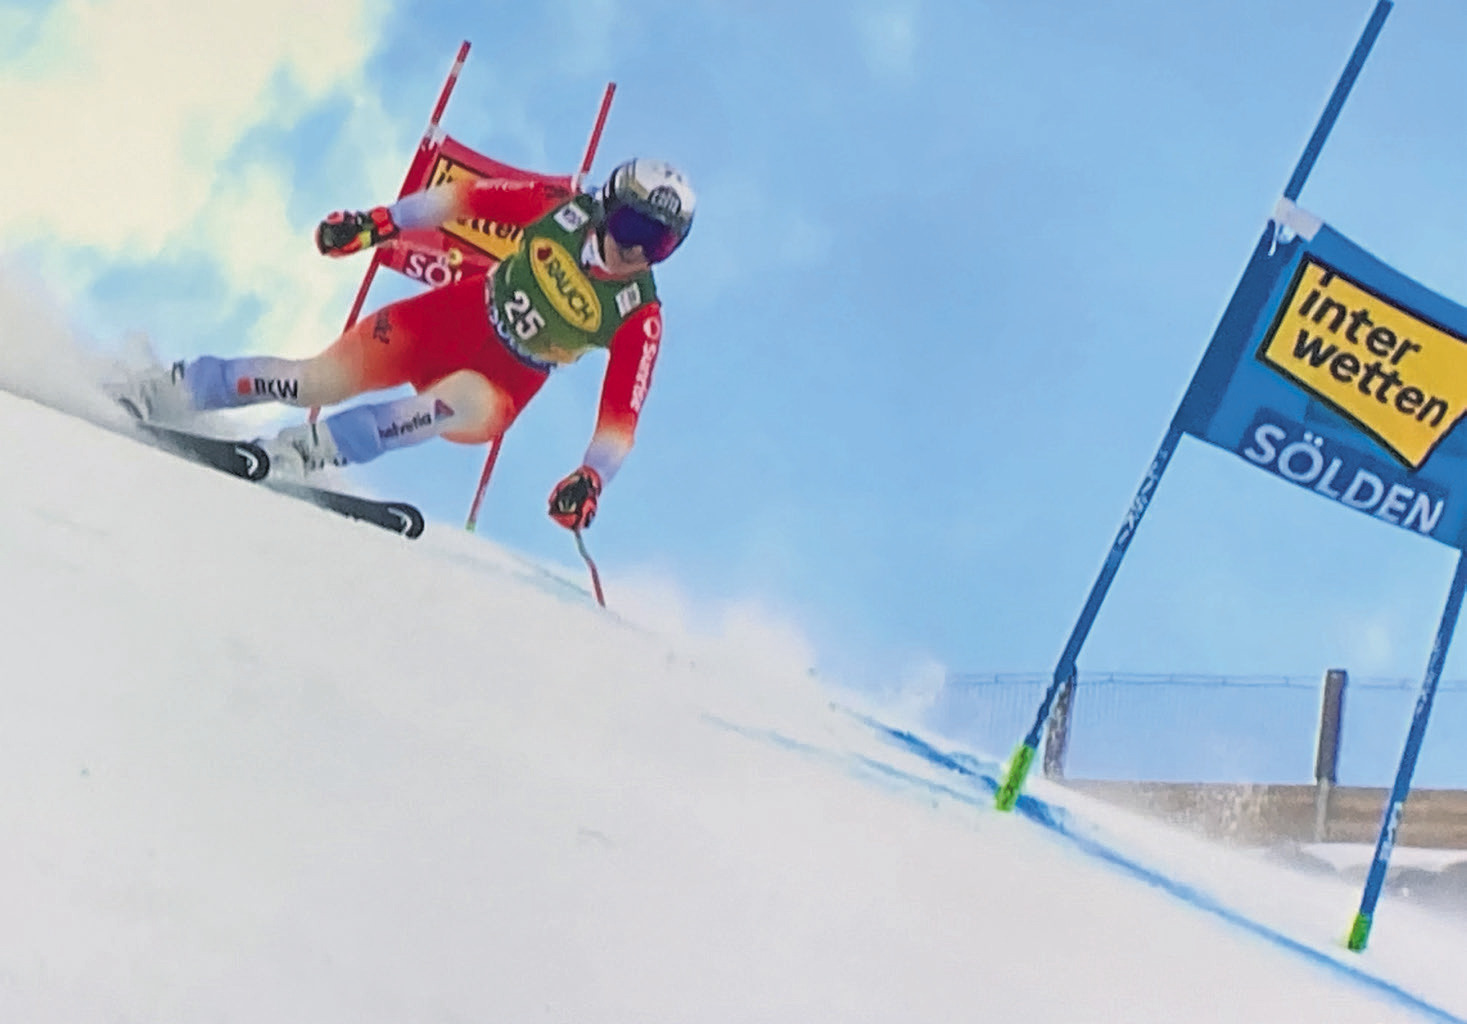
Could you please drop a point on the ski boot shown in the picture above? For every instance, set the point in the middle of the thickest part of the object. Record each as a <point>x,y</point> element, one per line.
<point>158,395</point>
<point>301,450</point>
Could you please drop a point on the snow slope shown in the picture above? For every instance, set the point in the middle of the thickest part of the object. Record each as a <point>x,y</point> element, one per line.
<point>266,764</point>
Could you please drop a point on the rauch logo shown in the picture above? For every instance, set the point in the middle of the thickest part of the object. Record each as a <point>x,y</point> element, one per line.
<point>564,285</point>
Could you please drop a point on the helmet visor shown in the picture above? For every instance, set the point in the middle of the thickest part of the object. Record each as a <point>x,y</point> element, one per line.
<point>631,226</point>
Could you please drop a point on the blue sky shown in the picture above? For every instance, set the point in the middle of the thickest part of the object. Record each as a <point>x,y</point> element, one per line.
<point>953,267</point>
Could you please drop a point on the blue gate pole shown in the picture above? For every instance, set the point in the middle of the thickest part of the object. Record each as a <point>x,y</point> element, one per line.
<point>1023,759</point>
<point>1024,754</point>
<point>1337,99</point>
<point>1360,930</point>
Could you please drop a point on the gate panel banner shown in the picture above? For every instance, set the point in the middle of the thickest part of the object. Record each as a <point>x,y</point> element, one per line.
<point>465,248</point>
<point>1337,373</point>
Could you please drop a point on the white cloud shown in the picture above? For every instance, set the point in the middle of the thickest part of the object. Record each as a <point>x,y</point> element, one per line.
<point>121,118</point>
<point>268,257</point>
<point>131,106</point>
<point>889,37</point>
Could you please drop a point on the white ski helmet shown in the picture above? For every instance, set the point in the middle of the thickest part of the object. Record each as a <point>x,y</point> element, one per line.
<point>648,203</point>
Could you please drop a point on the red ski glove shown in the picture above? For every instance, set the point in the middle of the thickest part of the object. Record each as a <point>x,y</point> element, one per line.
<point>573,502</point>
<point>345,232</point>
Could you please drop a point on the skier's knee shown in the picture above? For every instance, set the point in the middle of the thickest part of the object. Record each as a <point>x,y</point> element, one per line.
<point>478,411</point>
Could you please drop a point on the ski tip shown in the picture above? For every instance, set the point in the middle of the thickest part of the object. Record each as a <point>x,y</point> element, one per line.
<point>412,520</point>
<point>256,460</point>
<point>244,459</point>
<point>399,517</point>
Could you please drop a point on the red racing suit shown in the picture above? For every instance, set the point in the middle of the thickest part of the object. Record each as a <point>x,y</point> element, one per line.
<point>546,304</point>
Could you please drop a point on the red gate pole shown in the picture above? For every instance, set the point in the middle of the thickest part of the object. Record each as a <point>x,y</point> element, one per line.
<point>586,161</point>
<point>595,139</point>
<point>430,134</point>
<point>429,137</point>
<point>483,484</point>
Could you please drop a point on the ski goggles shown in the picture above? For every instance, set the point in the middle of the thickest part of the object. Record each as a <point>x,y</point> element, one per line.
<point>632,226</point>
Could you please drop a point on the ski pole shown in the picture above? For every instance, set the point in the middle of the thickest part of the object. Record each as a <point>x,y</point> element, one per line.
<point>595,575</point>
<point>425,148</point>
<point>473,520</point>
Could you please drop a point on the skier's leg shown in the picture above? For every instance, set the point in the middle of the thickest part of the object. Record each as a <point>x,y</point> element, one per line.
<point>418,340</point>
<point>465,407</point>
<point>348,367</point>
<point>373,354</point>
<point>470,389</point>
<point>403,342</point>
<point>214,383</point>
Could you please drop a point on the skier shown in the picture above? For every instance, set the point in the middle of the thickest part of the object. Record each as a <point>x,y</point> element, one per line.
<point>477,350</point>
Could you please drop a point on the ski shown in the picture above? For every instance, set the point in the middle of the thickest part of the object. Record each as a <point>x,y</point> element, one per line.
<point>249,461</point>
<point>397,516</point>
<point>243,459</point>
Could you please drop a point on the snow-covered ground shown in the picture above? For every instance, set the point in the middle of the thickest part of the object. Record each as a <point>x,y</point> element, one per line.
<point>265,764</point>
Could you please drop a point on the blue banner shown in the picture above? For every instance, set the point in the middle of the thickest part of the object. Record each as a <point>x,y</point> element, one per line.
<point>1337,373</point>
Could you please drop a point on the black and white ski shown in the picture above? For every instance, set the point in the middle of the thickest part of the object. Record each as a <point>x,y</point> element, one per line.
<point>247,460</point>
<point>397,516</point>
<point>243,459</point>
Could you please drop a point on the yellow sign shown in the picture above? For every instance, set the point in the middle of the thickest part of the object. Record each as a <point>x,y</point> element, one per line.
<point>564,285</point>
<point>1401,378</point>
<point>489,236</point>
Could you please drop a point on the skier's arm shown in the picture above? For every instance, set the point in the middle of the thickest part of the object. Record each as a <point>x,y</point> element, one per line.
<point>504,200</point>
<point>623,390</point>
<point>498,199</point>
